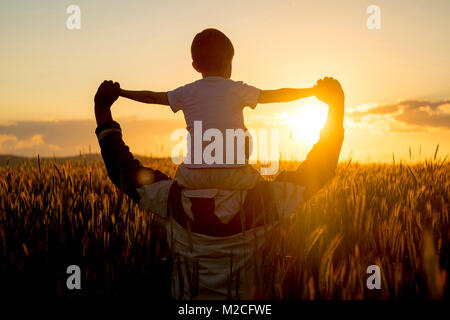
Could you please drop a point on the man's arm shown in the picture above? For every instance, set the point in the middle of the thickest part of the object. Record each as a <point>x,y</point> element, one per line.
<point>284,95</point>
<point>124,170</point>
<point>146,96</point>
<point>321,162</point>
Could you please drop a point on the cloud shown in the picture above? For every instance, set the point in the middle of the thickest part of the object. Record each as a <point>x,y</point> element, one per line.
<point>11,142</point>
<point>415,114</point>
<point>70,137</point>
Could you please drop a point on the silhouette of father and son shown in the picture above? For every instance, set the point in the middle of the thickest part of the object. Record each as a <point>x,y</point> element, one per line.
<point>218,215</point>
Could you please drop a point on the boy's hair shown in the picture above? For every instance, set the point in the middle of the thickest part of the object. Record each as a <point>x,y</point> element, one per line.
<point>211,50</point>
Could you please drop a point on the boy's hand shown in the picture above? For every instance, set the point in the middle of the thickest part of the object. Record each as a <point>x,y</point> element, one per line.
<point>329,90</point>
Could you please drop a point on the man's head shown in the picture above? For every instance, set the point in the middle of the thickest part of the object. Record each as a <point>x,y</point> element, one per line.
<point>212,53</point>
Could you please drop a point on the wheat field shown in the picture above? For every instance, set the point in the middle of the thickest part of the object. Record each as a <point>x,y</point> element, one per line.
<point>56,213</point>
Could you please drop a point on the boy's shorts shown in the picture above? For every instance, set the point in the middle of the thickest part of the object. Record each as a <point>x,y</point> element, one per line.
<point>228,187</point>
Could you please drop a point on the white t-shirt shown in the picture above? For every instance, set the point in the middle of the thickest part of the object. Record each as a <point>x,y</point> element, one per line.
<point>212,107</point>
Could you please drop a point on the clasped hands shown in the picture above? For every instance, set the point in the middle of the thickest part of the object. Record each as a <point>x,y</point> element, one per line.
<point>329,90</point>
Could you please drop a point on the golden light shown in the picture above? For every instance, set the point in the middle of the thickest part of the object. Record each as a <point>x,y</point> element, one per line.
<point>305,124</point>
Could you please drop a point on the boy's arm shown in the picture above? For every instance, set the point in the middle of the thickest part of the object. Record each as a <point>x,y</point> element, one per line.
<point>146,96</point>
<point>285,95</point>
<point>320,164</point>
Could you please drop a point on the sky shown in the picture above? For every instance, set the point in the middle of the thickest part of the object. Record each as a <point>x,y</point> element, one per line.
<point>396,79</point>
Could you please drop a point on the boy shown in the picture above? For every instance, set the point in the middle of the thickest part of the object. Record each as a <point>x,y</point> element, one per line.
<point>215,102</point>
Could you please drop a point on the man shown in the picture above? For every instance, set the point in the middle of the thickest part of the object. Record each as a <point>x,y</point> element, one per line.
<point>212,259</point>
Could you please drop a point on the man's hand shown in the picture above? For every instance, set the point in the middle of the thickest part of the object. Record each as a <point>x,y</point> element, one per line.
<point>106,95</point>
<point>329,90</point>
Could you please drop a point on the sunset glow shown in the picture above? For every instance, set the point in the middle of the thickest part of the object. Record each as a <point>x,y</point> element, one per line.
<point>305,125</point>
<point>395,78</point>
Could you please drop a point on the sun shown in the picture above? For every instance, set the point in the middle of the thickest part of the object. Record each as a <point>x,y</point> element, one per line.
<point>305,124</point>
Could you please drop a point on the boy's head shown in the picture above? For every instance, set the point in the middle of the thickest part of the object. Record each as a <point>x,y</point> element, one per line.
<point>212,53</point>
